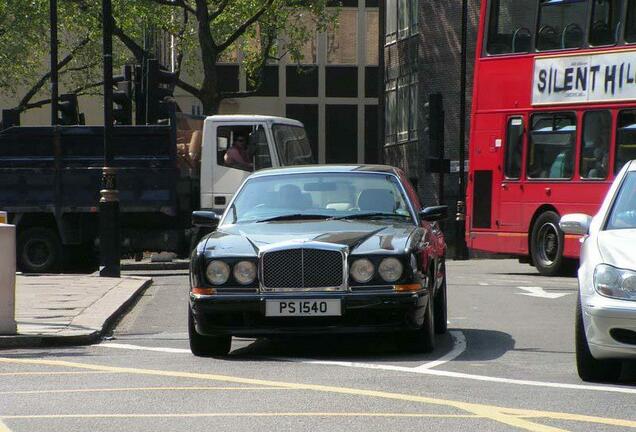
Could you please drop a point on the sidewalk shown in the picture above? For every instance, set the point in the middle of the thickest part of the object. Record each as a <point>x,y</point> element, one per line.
<point>69,309</point>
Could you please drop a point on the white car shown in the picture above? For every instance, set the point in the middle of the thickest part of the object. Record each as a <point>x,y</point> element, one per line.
<point>606,308</point>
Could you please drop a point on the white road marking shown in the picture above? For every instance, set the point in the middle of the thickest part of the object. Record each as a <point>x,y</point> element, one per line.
<point>458,348</point>
<point>532,291</point>
<point>483,284</point>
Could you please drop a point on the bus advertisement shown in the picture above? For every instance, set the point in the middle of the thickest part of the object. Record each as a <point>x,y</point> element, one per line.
<point>553,120</point>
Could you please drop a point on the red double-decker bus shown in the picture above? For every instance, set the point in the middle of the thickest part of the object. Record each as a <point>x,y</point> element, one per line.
<point>553,121</point>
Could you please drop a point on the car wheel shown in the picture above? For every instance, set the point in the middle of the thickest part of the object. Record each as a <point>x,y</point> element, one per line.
<point>39,250</point>
<point>546,244</point>
<point>423,340</point>
<point>441,308</point>
<point>589,368</point>
<point>207,346</point>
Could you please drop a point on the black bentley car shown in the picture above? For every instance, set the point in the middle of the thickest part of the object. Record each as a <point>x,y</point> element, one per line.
<point>319,249</point>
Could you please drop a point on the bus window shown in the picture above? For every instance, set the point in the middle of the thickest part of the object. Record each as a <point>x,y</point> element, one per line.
<point>561,24</point>
<point>551,146</point>
<point>510,26</point>
<point>625,139</point>
<point>514,148</point>
<point>594,162</point>
<point>606,16</point>
<point>630,25</point>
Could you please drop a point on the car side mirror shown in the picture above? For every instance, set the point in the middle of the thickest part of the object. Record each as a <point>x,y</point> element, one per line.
<point>205,219</point>
<point>575,223</point>
<point>434,214</point>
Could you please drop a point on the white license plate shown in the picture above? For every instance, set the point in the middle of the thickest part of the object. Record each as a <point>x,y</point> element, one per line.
<point>308,307</point>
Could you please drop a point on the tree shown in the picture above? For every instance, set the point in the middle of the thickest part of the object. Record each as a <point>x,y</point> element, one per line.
<point>202,32</point>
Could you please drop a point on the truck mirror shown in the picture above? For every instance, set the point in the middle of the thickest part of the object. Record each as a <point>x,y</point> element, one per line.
<point>205,219</point>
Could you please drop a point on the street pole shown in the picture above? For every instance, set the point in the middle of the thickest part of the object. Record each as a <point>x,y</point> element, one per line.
<point>461,250</point>
<point>54,74</point>
<point>109,197</point>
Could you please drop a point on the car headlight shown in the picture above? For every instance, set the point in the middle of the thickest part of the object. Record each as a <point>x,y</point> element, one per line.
<point>390,269</point>
<point>217,272</point>
<point>245,272</point>
<point>614,282</point>
<point>362,270</point>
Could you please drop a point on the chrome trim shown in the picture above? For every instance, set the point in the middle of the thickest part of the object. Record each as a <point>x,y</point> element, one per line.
<point>290,245</point>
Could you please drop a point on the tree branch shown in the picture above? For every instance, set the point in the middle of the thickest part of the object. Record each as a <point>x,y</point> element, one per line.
<point>179,3</point>
<point>219,10</point>
<point>239,31</point>
<point>24,102</point>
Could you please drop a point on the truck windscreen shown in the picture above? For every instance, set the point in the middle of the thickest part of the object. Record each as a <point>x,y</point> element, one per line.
<point>292,145</point>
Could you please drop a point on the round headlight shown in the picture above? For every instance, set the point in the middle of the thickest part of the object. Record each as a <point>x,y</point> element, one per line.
<point>362,270</point>
<point>217,272</point>
<point>390,269</point>
<point>245,272</point>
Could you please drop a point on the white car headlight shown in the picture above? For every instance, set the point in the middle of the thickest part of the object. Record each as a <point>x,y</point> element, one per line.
<point>362,270</point>
<point>245,272</point>
<point>217,272</point>
<point>390,269</point>
<point>614,282</point>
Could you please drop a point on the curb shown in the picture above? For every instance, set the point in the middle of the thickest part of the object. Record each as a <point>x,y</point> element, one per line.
<point>39,341</point>
<point>137,266</point>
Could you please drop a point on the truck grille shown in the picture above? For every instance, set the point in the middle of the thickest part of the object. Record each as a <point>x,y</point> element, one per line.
<point>302,268</point>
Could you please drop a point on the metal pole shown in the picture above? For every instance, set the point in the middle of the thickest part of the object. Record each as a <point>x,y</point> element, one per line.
<point>461,250</point>
<point>109,200</point>
<point>381,83</point>
<point>54,74</point>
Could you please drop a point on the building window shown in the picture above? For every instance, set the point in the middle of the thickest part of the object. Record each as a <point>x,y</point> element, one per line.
<point>342,41</point>
<point>510,26</point>
<point>341,133</point>
<point>415,9</point>
<point>597,126</point>
<point>372,46</point>
<point>404,18</point>
<point>341,81</point>
<point>302,81</point>
<point>561,24</point>
<point>630,25</point>
<point>413,107</point>
<point>606,17</point>
<point>403,96</point>
<point>391,21</point>
<point>390,111</point>
<point>551,146</point>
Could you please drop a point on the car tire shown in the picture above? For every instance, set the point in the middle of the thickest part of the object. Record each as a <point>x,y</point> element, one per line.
<point>441,308</point>
<point>39,250</point>
<point>546,244</point>
<point>207,346</point>
<point>423,340</point>
<point>589,368</point>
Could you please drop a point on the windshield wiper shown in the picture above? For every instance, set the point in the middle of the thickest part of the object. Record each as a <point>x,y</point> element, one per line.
<point>297,216</point>
<point>374,215</point>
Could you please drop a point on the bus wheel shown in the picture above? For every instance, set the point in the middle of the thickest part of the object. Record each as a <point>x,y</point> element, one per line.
<point>546,244</point>
<point>39,251</point>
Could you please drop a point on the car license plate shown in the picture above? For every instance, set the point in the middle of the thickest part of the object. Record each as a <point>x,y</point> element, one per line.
<point>308,307</point>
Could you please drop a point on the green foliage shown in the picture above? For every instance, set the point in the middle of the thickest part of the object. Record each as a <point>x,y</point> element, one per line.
<point>263,30</point>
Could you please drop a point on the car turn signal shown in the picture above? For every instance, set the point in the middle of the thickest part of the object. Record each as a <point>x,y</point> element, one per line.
<point>407,288</point>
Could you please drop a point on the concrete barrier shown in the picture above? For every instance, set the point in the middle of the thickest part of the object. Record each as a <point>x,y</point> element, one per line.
<point>7,280</point>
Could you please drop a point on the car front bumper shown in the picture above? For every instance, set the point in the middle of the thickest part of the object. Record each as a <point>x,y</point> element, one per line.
<point>244,314</point>
<point>603,317</point>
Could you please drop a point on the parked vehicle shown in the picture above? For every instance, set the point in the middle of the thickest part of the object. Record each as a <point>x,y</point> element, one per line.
<point>553,121</point>
<point>319,249</point>
<point>50,185</point>
<point>606,309</point>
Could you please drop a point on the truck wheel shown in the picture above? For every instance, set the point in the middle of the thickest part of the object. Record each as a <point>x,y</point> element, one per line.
<point>207,346</point>
<point>589,368</point>
<point>39,251</point>
<point>546,244</point>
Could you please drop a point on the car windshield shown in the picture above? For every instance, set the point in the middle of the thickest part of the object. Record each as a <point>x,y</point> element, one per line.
<point>623,214</point>
<point>292,144</point>
<point>319,196</point>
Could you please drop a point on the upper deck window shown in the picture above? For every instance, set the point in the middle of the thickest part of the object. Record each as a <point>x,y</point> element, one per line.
<point>630,25</point>
<point>605,24</point>
<point>509,29</point>
<point>561,24</point>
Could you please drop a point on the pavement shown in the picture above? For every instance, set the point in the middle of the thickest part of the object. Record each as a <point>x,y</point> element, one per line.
<point>69,309</point>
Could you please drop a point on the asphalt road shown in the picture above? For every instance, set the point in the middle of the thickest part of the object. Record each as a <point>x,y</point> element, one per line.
<point>507,364</point>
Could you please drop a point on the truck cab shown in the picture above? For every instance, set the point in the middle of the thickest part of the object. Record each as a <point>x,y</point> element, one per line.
<point>269,142</point>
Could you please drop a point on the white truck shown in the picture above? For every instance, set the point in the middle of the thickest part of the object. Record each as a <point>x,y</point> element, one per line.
<point>164,172</point>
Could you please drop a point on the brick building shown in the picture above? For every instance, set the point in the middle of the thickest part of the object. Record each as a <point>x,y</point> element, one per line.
<point>422,55</point>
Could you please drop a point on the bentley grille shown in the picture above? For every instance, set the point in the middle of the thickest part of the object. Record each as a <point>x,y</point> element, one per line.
<point>302,268</point>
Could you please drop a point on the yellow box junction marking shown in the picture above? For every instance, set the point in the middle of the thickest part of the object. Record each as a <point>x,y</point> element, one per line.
<point>508,416</point>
